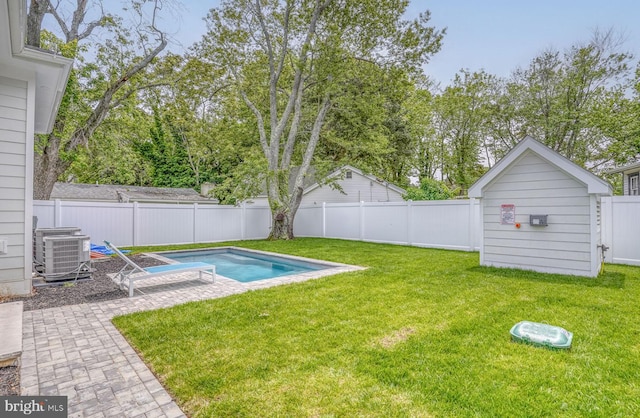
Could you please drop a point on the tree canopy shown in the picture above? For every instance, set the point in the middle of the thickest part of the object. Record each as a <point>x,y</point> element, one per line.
<point>278,86</point>
<point>118,70</point>
<point>292,62</point>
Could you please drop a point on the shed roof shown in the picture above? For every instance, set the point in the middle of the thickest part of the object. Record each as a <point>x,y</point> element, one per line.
<point>595,185</point>
<point>117,193</point>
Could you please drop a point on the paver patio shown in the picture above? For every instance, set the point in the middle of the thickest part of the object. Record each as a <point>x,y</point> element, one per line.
<point>75,351</point>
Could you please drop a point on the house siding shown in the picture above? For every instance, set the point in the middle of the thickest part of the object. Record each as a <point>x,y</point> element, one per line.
<point>356,189</point>
<point>535,186</point>
<point>625,181</point>
<point>625,184</point>
<point>13,184</point>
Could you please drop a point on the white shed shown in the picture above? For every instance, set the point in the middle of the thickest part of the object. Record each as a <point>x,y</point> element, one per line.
<point>539,211</point>
<point>32,82</point>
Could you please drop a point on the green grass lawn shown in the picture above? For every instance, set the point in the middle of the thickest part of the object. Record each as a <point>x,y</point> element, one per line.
<point>421,332</point>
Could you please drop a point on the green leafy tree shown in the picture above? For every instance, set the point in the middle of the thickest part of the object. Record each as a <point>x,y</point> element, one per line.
<point>285,59</point>
<point>355,131</point>
<point>570,101</point>
<point>213,128</point>
<point>429,154</point>
<point>376,123</point>
<point>117,72</point>
<point>110,158</point>
<point>165,153</point>
<point>429,189</point>
<point>618,118</point>
<point>460,118</point>
<point>407,120</point>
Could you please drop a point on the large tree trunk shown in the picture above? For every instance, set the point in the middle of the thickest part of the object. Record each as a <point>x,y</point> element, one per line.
<point>37,10</point>
<point>47,168</point>
<point>45,176</point>
<point>283,217</point>
<point>282,226</point>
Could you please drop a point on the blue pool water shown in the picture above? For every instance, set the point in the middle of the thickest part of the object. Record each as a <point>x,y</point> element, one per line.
<point>246,266</point>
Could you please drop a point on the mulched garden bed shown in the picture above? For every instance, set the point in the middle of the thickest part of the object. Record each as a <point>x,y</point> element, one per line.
<point>9,381</point>
<point>99,288</point>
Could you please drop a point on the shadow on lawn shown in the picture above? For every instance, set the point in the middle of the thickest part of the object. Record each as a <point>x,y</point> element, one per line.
<point>607,279</point>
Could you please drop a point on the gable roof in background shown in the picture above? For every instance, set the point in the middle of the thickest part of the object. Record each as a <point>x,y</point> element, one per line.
<point>595,185</point>
<point>311,182</point>
<point>51,70</point>
<point>335,175</point>
<point>126,194</point>
<point>627,167</point>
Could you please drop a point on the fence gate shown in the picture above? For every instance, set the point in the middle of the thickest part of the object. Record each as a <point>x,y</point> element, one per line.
<point>621,229</point>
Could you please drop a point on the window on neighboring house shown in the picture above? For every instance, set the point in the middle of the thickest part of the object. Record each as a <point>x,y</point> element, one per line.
<point>633,184</point>
<point>349,174</point>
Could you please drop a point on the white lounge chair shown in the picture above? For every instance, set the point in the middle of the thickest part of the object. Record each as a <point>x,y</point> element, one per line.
<point>131,272</point>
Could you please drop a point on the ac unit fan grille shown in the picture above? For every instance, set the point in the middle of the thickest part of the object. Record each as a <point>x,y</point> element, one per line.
<point>41,233</point>
<point>66,257</point>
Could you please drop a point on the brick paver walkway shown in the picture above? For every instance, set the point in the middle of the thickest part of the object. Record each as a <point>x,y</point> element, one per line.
<point>75,351</point>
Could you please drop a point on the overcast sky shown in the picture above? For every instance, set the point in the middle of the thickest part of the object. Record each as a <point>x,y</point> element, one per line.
<point>495,35</point>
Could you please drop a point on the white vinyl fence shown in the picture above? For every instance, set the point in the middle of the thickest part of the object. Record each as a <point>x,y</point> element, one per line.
<point>448,224</point>
<point>451,224</point>
<point>621,229</point>
<point>129,224</point>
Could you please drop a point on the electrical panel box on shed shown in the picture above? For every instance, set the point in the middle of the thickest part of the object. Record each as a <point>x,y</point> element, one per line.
<point>538,220</point>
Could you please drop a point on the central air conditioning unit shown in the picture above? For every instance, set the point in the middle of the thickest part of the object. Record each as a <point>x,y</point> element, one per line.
<point>66,257</point>
<point>38,242</point>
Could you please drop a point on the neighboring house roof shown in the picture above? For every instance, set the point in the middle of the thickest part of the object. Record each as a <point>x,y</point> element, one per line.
<point>339,172</point>
<point>308,180</point>
<point>117,193</point>
<point>624,168</point>
<point>311,182</point>
<point>595,185</point>
<point>51,71</point>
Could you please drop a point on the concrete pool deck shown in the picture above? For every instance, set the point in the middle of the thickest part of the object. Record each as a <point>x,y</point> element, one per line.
<point>75,351</point>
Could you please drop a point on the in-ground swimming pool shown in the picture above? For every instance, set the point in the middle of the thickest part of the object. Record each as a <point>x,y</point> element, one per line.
<point>246,266</point>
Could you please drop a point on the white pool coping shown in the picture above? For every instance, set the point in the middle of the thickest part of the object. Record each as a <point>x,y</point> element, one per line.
<point>332,267</point>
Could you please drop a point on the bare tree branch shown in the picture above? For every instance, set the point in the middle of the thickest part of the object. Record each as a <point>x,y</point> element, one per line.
<point>135,89</point>
<point>82,135</point>
<point>296,198</point>
<point>272,156</point>
<point>277,131</point>
<point>71,32</point>
<point>258,115</point>
<point>63,25</point>
<point>287,153</point>
<point>90,28</point>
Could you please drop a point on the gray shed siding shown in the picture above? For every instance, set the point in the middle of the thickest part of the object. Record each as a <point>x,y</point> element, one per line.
<point>356,189</point>
<point>13,186</point>
<point>535,186</point>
